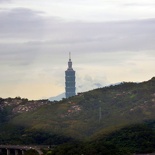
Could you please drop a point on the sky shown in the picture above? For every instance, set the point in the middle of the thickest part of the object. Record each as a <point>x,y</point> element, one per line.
<point>110,41</point>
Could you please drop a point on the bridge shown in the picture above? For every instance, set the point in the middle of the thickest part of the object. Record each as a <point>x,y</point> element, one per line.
<point>19,149</point>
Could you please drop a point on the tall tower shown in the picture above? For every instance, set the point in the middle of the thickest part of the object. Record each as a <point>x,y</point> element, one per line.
<point>70,79</point>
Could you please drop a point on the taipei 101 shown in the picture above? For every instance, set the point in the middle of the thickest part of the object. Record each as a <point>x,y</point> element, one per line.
<point>77,77</point>
<point>70,79</point>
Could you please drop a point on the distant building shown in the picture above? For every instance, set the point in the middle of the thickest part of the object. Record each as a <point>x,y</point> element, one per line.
<point>70,79</point>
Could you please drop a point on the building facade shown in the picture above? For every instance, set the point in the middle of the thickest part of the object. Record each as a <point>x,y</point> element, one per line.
<point>70,80</point>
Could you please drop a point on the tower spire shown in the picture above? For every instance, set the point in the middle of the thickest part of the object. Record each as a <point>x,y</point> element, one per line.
<point>69,62</point>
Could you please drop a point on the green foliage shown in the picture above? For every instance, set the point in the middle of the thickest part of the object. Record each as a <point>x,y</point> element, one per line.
<point>91,114</point>
<point>31,152</point>
<point>3,115</point>
<point>93,148</point>
<point>138,138</point>
<point>49,152</point>
<point>16,135</point>
<point>100,109</point>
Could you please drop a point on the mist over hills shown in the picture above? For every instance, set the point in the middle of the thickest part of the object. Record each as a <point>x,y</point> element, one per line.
<point>58,97</point>
<point>85,116</point>
<point>62,95</point>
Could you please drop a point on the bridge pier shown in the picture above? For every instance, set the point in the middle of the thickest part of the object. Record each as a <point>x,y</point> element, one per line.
<point>16,152</point>
<point>8,151</point>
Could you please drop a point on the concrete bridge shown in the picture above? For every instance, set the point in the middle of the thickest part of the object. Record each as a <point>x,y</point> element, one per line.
<point>18,149</point>
<point>145,154</point>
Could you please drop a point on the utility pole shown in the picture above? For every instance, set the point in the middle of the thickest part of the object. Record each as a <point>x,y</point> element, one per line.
<point>100,114</point>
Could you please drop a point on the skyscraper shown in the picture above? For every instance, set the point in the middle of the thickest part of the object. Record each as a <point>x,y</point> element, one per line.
<point>70,79</point>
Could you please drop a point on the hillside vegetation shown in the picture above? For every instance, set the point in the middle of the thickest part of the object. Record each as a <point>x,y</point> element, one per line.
<point>92,114</point>
<point>133,139</point>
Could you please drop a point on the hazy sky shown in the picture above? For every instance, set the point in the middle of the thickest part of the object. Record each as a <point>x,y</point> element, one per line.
<point>110,41</point>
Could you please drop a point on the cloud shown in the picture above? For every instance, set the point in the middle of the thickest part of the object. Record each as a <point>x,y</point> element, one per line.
<point>34,48</point>
<point>5,1</point>
<point>30,26</point>
<point>20,23</point>
<point>27,37</point>
<point>139,4</point>
<point>89,82</point>
<point>112,36</point>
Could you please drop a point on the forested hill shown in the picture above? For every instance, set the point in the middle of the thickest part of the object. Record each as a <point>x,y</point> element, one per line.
<point>88,114</point>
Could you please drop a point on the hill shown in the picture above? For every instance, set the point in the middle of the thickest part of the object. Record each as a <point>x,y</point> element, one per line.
<point>86,115</point>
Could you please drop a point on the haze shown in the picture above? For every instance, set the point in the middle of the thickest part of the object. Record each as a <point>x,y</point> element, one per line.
<point>110,41</point>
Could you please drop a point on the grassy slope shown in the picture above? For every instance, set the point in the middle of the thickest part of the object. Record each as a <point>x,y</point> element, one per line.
<point>79,116</point>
